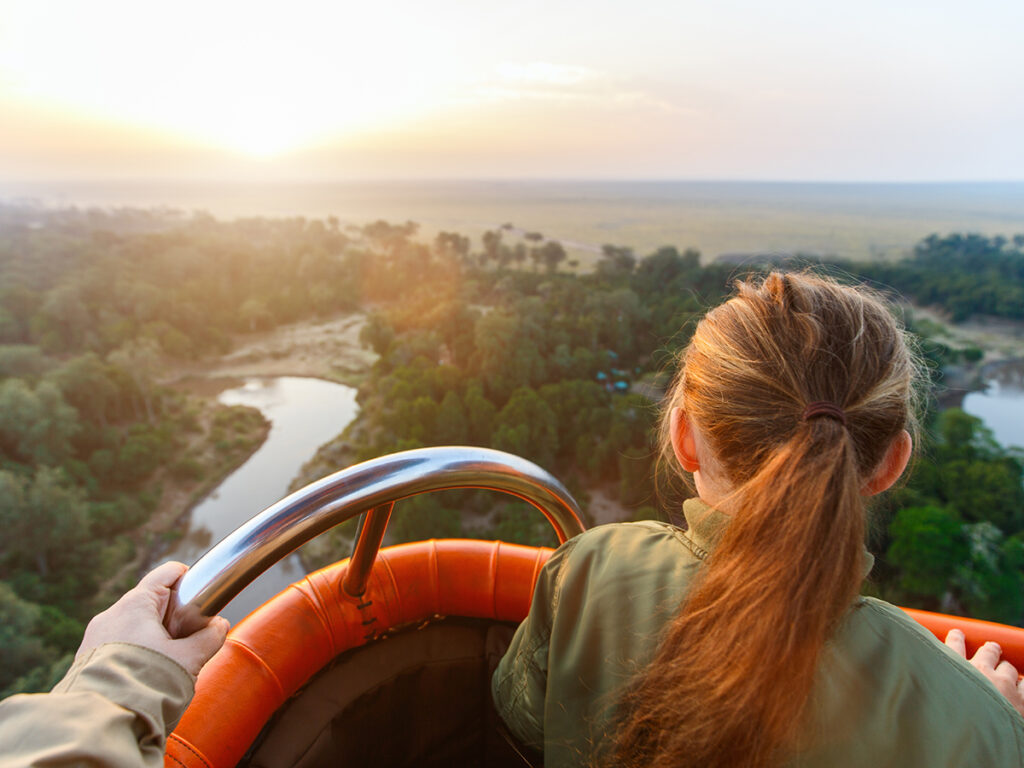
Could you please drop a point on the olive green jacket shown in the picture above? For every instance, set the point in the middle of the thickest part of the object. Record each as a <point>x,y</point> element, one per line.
<point>114,709</point>
<point>888,693</point>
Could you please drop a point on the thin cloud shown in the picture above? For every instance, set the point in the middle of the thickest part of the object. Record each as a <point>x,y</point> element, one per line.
<point>545,81</point>
<point>542,72</point>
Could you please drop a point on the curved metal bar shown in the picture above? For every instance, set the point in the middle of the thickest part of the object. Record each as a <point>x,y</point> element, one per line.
<point>372,525</point>
<point>281,528</point>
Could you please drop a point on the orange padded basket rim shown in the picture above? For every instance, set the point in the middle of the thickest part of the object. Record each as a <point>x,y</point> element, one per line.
<point>275,650</point>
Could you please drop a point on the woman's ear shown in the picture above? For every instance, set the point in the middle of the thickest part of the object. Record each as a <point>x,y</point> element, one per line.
<point>684,445</point>
<point>892,466</point>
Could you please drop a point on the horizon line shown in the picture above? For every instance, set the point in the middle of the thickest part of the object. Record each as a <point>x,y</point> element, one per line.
<point>248,180</point>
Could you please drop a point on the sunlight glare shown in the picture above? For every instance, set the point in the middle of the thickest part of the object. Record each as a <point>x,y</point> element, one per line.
<point>255,80</point>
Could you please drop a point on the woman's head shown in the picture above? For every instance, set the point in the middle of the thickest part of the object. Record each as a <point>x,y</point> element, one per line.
<point>781,343</point>
<point>791,560</point>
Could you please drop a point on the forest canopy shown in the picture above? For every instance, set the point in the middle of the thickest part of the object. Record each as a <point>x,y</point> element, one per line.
<point>504,343</point>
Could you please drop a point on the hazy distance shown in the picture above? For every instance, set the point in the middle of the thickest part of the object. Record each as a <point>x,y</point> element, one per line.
<point>848,220</point>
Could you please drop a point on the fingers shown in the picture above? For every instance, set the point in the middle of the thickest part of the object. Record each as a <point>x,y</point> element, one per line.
<point>212,636</point>
<point>987,657</point>
<point>1007,672</point>
<point>1002,674</point>
<point>198,648</point>
<point>955,639</point>
<point>165,575</point>
<point>137,618</point>
<point>155,586</point>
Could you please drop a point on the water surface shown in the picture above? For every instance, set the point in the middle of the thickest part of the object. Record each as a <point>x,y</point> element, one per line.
<point>304,414</point>
<point>1001,404</point>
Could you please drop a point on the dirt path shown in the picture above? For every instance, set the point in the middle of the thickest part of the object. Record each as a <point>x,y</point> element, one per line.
<point>1000,339</point>
<point>323,349</point>
<point>604,508</point>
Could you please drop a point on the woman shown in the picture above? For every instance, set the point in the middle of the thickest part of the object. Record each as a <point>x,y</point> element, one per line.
<point>742,641</point>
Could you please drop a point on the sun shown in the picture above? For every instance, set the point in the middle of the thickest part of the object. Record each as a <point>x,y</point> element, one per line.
<point>262,145</point>
<point>260,134</point>
<point>249,79</point>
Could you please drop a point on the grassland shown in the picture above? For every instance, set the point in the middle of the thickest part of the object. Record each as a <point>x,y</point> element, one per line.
<point>854,221</point>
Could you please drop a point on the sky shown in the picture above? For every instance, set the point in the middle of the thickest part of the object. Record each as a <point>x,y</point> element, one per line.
<point>876,90</point>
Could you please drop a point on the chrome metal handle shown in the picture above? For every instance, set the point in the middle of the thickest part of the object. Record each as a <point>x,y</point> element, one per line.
<point>227,568</point>
<point>370,534</point>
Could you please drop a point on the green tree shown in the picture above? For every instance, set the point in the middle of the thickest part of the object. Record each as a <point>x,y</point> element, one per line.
<point>45,520</point>
<point>421,422</point>
<point>928,547</point>
<point>376,333</point>
<point>86,385</point>
<point>143,450</point>
<point>526,426</point>
<point>552,254</point>
<point>40,679</point>
<point>960,435</point>
<point>423,517</point>
<point>18,304</point>
<point>519,254</point>
<point>454,323</point>
<point>616,261</point>
<point>991,584</point>
<point>63,320</point>
<point>36,426</point>
<point>480,414</point>
<point>22,360</point>
<point>508,352</point>
<point>452,428</point>
<point>492,245</point>
<point>452,246</point>
<point>141,361</point>
<point>21,648</point>
<point>582,415</point>
<point>519,523</point>
<point>971,473</point>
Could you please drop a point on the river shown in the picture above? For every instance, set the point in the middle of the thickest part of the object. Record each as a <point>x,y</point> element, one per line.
<point>304,414</point>
<point>1001,404</point>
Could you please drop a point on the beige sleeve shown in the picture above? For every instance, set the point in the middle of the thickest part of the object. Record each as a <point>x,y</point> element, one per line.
<point>114,708</point>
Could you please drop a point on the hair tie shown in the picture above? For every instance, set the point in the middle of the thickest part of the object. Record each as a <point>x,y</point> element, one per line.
<point>824,408</point>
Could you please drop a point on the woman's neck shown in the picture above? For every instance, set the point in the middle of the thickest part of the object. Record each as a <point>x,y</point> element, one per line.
<point>712,490</point>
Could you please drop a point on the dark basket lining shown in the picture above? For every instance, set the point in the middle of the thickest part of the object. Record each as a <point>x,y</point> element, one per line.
<point>417,698</point>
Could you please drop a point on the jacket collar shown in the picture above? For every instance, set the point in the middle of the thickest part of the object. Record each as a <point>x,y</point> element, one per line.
<point>704,524</point>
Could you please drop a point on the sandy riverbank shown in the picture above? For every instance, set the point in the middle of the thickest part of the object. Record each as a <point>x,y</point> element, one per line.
<point>999,338</point>
<point>323,349</point>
